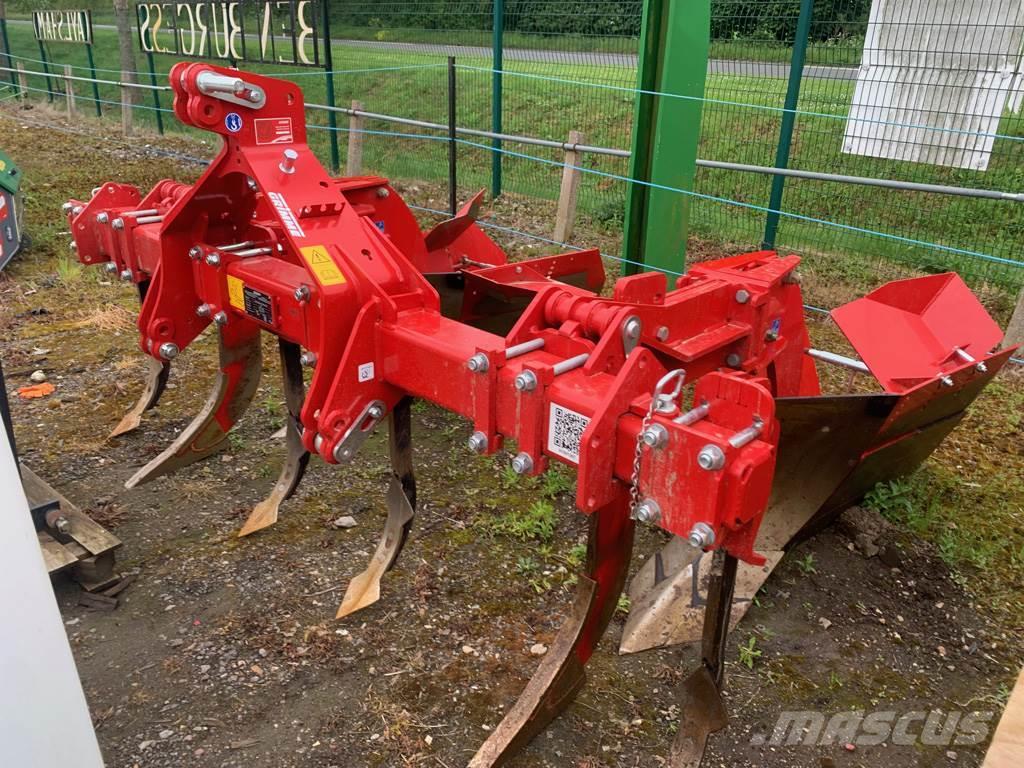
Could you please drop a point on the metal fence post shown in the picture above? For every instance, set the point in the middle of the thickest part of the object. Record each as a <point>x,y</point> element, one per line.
<point>156,93</point>
<point>46,69</point>
<point>796,72</point>
<point>497,44</point>
<point>453,155</point>
<point>95,85</point>
<point>7,44</point>
<point>332,117</point>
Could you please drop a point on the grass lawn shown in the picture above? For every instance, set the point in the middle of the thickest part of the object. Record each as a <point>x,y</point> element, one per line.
<point>548,100</point>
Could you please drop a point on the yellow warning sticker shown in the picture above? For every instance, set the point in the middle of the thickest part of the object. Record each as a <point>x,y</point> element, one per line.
<point>323,266</point>
<point>236,292</point>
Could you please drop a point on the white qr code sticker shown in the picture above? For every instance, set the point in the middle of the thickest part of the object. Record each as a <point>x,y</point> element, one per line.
<point>565,430</point>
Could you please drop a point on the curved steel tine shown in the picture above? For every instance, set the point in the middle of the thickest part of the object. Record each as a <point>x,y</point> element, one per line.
<point>561,674</point>
<point>265,513</point>
<point>157,372</point>
<point>156,382</point>
<point>364,589</point>
<point>237,380</point>
<point>702,711</point>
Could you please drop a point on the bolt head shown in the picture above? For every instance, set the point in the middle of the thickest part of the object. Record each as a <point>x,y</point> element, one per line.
<point>117,223</point>
<point>195,252</point>
<point>302,293</point>
<point>662,333</point>
<point>771,336</point>
<point>213,259</point>
<point>102,218</point>
<point>946,381</point>
<point>307,359</point>
<point>478,442</point>
<point>203,310</point>
<point>701,536</point>
<point>110,267</point>
<point>522,464</point>
<point>376,412</point>
<point>126,275</point>
<point>633,328</point>
<point>76,210</point>
<point>655,436</point>
<point>67,208</point>
<point>742,296</point>
<point>382,192</point>
<point>168,350</point>
<point>221,318</point>
<point>526,381</point>
<point>711,458</point>
<point>647,511</point>
<point>478,363</point>
<point>73,246</point>
<point>733,360</point>
<point>981,368</point>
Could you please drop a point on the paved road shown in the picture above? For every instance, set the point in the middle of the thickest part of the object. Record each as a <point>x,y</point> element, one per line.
<point>628,60</point>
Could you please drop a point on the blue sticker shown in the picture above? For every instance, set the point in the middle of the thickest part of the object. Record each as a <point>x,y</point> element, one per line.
<point>776,324</point>
<point>379,225</point>
<point>233,122</point>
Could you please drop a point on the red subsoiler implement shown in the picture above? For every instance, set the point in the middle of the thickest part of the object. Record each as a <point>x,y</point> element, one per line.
<point>695,408</point>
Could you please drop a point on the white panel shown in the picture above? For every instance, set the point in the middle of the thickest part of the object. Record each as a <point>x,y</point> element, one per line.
<point>935,78</point>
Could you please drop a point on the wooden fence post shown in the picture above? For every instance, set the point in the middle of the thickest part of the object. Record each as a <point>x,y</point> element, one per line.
<point>126,106</point>
<point>69,90</point>
<point>354,155</point>
<point>22,82</point>
<point>565,219</point>
<point>1015,330</point>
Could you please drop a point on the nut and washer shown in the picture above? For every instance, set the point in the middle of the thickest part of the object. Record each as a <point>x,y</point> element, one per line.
<point>126,275</point>
<point>478,442</point>
<point>655,436</point>
<point>771,335</point>
<point>221,318</point>
<point>102,218</point>
<point>742,296</point>
<point>733,360</point>
<point>302,293</point>
<point>213,259</point>
<point>195,252</point>
<point>478,363</point>
<point>526,381</point>
<point>76,210</point>
<point>73,245</point>
<point>647,511</point>
<point>203,310</point>
<point>711,458</point>
<point>117,223</point>
<point>701,536</point>
<point>522,464</point>
<point>382,192</point>
<point>662,333</point>
<point>110,267</point>
<point>308,359</point>
<point>67,208</point>
<point>168,350</point>
<point>375,412</point>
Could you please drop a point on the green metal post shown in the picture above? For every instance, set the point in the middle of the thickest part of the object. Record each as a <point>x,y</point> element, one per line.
<point>7,52</point>
<point>95,85</point>
<point>332,116</point>
<point>674,44</point>
<point>156,94</point>
<point>796,73</point>
<point>498,44</point>
<point>46,69</point>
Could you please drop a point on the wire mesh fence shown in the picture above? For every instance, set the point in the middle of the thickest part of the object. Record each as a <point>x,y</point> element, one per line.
<point>909,90</point>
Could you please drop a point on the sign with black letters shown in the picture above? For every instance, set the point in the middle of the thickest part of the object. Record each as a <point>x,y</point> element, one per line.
<point>61,26</point>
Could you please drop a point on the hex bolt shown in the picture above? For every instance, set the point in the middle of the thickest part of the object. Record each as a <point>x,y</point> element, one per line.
<point>102,218</point>
<point>711,458</point>
<point>213,259</point>
<point>63,525</point>
<point>308,359</point>
<point>76,210</point>
<point>203,310</point>
<point>221,318</point>
<point>946,381</point>
<point>302,293</point>
<point>526,381</point>
<point>195,252</point>
<point>662,333</point>
<point>771,335</point>
<point>126,275</point>
<point>522,464</point>
<point>318,444</point>
<point>701,536</point>
<point>168,350</point>
<point>73,246</point>
<point>733,360</point>
<point>981,368</point>
<point>382,192</point>
<point>110,267</point>
<point>478,363</point>
<point>647,511</point>
<point>478,442</point>
<point>742,296</point>
<point>67,208</point>
<point>376,412</point>
<point>117,223</point>
<point>655,436</point>
<point>288,164</point>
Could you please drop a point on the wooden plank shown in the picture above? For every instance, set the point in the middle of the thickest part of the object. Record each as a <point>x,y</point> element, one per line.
<point>55,556</point>
<point>354,156</point>
<point>1015,330</point>
<point>90,534</point>
<point>22,82</point>
<point>565,219</point>
<point>1007,747</point>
